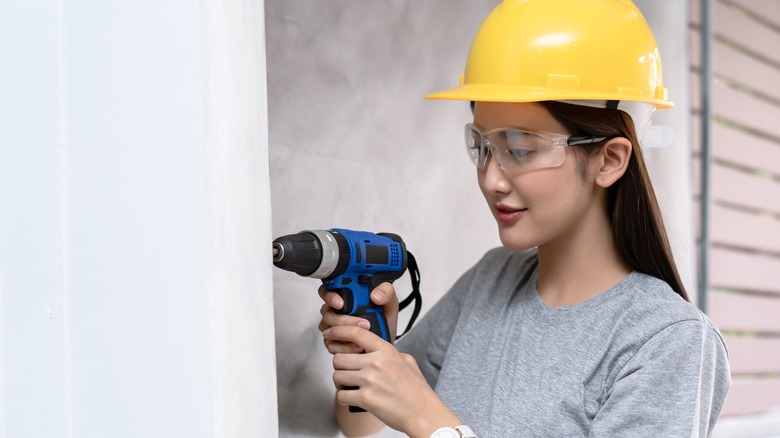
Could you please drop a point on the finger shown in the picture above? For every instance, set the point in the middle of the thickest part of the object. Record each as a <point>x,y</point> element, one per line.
<point>342,347</point>
<point>349,379</point>
<point>331,298</point>
<point>348,362</point>
<point>322,291</point>
<point>364,338</point>
<point>349,397</point>
<point>383,294</point>
<point>331,319</point>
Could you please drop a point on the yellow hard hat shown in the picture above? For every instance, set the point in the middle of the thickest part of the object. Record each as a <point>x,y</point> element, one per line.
<point>570,50</point>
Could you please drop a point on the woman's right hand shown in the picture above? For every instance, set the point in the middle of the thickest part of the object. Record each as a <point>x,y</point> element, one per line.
<point>382,295</point>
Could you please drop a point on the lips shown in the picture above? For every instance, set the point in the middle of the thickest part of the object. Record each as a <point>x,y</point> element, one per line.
<point>508,214</point>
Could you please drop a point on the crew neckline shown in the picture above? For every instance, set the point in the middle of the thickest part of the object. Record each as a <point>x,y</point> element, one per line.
<point>541,311</point>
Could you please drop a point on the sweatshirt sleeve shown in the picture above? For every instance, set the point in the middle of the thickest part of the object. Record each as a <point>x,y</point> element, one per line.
<point>675,385</point>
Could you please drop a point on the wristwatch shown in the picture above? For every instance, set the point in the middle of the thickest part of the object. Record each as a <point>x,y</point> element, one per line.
<point>454,432</point>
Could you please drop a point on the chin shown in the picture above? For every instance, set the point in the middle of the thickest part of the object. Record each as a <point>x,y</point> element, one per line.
<point>515,242</point>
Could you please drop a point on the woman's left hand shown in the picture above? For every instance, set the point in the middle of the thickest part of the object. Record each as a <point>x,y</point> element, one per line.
<point>390,384</point>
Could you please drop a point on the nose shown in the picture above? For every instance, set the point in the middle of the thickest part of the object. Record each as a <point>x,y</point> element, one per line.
<point>492,177</point>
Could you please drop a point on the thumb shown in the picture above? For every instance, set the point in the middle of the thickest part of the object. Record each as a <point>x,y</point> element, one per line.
<point>383,294</point>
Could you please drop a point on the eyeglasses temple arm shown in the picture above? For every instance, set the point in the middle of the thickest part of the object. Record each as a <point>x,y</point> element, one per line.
<point>576,141</point>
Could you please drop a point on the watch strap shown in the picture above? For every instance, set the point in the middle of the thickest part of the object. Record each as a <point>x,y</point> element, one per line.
<point>465,431</point>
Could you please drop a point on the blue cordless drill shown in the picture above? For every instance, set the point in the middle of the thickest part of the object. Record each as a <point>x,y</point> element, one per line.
<point>350,263</point>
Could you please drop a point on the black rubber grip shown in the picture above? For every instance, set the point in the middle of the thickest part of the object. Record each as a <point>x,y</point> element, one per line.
<point>349,301</point>
<point>355,408</point>
<point>378,322</point>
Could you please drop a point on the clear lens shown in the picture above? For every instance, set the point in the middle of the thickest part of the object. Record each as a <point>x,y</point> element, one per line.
<point>522,148</point>
<point>515,150</point>
<point>473,146</point>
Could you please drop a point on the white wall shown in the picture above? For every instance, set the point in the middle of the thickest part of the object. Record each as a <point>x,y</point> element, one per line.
<point>353,144</point>
<point>134,217</point>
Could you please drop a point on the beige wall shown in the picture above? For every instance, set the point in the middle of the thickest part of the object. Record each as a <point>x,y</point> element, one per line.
<point>354,145</point>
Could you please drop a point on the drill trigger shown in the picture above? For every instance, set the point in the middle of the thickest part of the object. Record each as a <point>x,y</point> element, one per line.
<point>349,301</point>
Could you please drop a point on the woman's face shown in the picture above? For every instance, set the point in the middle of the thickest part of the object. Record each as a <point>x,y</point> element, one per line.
<point>536,206</point>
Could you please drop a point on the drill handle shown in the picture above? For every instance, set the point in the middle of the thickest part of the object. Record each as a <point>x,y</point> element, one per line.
<point>375,315</point>
<point>357,301</point>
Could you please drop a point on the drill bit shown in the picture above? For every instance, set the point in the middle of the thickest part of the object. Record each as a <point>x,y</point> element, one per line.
<point>278,252</point>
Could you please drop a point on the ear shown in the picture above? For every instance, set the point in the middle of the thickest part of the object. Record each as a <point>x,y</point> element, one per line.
<point>612,161</point>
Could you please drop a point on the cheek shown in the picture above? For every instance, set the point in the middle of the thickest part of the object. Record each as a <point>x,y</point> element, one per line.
<point>555,195</point>
<point>540,188</point>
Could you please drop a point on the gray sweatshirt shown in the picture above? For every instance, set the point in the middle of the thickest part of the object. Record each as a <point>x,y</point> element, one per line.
<point>635,361</point>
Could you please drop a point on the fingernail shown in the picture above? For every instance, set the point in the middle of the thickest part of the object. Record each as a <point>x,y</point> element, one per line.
<point>377,296</point>
<point>325,333</point>
<point>338,303</point>
<point>364,324</point>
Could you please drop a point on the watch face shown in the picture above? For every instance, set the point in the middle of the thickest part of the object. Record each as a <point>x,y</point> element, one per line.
<point>446,432</point>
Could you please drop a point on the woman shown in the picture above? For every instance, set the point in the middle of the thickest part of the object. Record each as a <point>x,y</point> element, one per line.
<point>579,325</point>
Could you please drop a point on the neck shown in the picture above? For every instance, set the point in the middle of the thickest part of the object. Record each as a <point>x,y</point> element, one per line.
<point>580,264</point>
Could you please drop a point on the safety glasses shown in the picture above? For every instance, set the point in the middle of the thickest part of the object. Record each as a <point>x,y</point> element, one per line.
<point>516,150</point>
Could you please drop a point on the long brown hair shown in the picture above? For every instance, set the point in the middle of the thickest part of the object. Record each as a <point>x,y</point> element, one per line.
<point>637,226</point>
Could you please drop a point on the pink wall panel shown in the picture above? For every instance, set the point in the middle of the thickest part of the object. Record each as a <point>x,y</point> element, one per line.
<point>754,355</point>
<point>745,313</point>
<point>750,396</point>
<point>744,273</point>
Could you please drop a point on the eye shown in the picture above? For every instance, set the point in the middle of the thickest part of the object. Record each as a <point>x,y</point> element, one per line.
<point>523,146</point>
<point>523,139</point>
<point>522,154</point>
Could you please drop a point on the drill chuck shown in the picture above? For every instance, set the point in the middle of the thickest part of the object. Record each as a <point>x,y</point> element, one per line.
<point>312,253</point>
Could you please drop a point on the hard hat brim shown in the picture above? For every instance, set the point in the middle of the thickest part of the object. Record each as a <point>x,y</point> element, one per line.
<point>513,93</point>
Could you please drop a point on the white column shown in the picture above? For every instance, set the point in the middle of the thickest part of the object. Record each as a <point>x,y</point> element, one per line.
<point>670,168</point>
<point>243,356</point>
<point>135,285</point>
